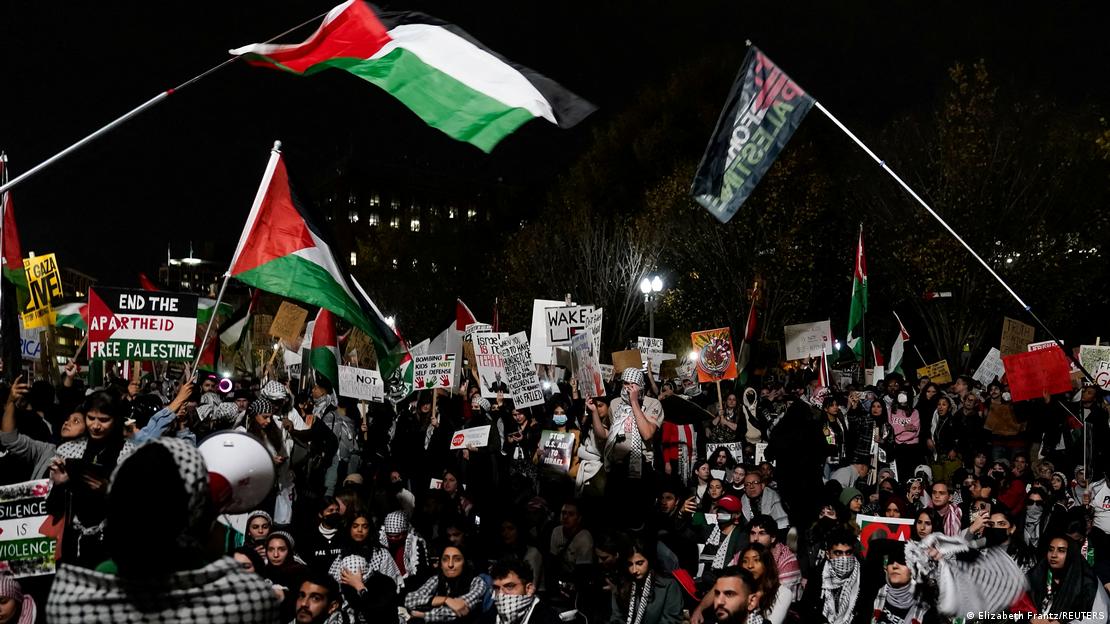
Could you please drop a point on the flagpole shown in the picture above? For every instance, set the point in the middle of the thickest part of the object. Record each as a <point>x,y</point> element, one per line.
<point>863,315</point>
<point>275,155</point>
<point>3,235</point>
<point>135,111</point>
<point>882,163</point>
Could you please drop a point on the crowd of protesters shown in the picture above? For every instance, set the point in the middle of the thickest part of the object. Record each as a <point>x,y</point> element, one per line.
<point>664,515</point>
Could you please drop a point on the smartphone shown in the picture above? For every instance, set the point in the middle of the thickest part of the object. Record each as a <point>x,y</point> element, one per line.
<point>78,468</point>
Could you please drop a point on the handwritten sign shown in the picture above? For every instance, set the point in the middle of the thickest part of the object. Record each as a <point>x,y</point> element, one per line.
<point>27,544</point>
<point>649,345</point>
<point>807,340</point>
<point>735,450</point>
<point>520,372</point>
<point>588,371</point>
<point>361,383</point>
<point>563,322</point>
<point>288,322</point>
<point>992,368</point>
<point>1015,336</point>
<point>937,372</point>
<point>474,436</point>
<point>487,359</point>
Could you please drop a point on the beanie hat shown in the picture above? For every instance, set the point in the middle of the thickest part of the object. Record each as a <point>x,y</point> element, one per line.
<point>285,536</point>
<point>847,494</point>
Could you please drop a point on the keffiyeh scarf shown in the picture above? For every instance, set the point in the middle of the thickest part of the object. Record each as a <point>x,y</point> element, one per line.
<point>624,424</point>
<point>511,608</point>
<point>637,604</point>
<point>985,580</point>
<point>839,589</point>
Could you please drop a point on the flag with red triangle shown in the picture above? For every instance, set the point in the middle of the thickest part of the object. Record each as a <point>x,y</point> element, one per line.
<point>899,348</point>
<point>823,377</point>
<point>147,283</point>
<point>11,260</point>
<point>284,250</point>
<point>463,315</point>
<point>324,355</point>
<point>877,355</point>
<point>745,355</point>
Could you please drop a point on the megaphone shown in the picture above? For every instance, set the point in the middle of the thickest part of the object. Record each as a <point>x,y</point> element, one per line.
<point>240,470</point>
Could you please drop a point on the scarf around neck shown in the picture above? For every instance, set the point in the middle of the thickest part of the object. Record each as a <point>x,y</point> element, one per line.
<point>839,589</point>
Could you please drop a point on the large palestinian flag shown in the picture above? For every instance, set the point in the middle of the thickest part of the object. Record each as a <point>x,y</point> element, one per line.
<point>283,251</point>
<point>448,78</point>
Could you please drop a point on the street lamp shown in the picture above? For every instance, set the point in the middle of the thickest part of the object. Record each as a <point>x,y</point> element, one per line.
<point>651,287</point>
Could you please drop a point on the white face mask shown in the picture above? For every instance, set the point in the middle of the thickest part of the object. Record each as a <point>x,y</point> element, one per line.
<point>902,398</point>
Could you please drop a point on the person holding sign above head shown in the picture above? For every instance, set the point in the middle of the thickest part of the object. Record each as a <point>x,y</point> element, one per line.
<point>629,450</point>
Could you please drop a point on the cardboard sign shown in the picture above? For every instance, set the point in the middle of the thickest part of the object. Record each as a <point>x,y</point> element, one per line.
<point>556,450</point>
<point>1015,335</point>
<point>359,346</point>
<point>735,449</point>
<point>541,352</point>
<point>487,360</point>
<point>563,322</point>
<point>1032,373</point>
<point>807,340</point>
<point>937,372</point>
<point>520,372</point>
<point>361,383</point>
<point>44,283</point>
<point>992,368</point>
<point>649,345</point>
<point>716,358</point>
<point>588,371</point>
<point>474,436</point>
<point>876,528</point>
<point>626,359</point>
<point>288,322</point>
<point>292,361</point>
<point>433,371</point>
<point>141,325</point>
<point>27,543</point>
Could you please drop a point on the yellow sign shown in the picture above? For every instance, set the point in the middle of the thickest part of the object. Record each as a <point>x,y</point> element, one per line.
<point>937,372</point>
<point>44,281</point>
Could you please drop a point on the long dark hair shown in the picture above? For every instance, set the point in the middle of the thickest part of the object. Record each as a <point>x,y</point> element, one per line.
<point>934,517</point>
<point>270,433</point>
<point>105,452</point>
<point>628,584</point>
<point>769,582</point>
<point>453,588</point>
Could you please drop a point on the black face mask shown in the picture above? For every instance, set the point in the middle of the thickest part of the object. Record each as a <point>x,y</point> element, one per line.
<point>995,536</point>
<point>332,520</point>
<point>997,475</point>
<point>395,488</point>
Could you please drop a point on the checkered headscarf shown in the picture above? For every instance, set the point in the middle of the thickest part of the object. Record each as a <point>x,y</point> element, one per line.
<point>633,376</point>
<point>193,473</point>
<point>10,588</point>
<point>261,406</point>
<point>354,563</point>
<point>396,522</point>
<point>274,391</point>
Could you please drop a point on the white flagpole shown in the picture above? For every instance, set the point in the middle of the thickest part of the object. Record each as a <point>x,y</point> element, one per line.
<point>882,163</point>
<point>275,156</point>
<point>3,232</point>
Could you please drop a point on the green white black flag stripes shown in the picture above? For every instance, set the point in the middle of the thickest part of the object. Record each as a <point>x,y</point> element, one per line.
<point>445,76</point>
<point>859,301</point>
<point>282,250</point>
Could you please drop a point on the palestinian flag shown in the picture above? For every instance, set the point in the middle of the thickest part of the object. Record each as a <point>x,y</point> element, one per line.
<point>859,301</point>
<point>325,348</point>
<point>147,283</point>
<point>72,315</point>
<point>745,355</point>
<point>463,315</point>
<point>445,76</point>
<point>899,348</point>
<point>284,251</point>
<point>11,260</point>
<point>238,325</point>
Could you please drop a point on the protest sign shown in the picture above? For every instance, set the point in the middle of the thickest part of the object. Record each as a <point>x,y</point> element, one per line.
<point>687,378</point>
<point>649,345</point>
<point>992,368</point>
<point>474,436</point>
<point>288,322</point>
<point>588,370</point>
<point>937,372</point>
<point>420,348</point>
<point>760,452</point>
<point>1092,358</point>
<point>668,369</point>
<point>735,449</point>
<point>556,450</point>
<point>807,340</point>
<point>44,285</point>
<point>487,360</point>
<point>1037,346</point>
<point>141,325</point>
<point>607,371</point>
<point>626,359</point>
<point>30,343</point>
<point>433,371</point>
<point>359,347</point>
<point>876,528</point>
<point>1015,335</point>
<point>27,541</point>
<point>1032,373</point>
<point>563,322</point>
<point>716,359</point>
<point>435,484</point>
<point>361,383</point>
<point>292,361</point>
<point>476,328</point>
<point>541,352</point>
<point>594,325</point>
<point>520,372</point>
<point>1102,374</point>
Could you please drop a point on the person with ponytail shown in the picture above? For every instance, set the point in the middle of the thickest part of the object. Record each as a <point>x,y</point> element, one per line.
<point>645,596</point>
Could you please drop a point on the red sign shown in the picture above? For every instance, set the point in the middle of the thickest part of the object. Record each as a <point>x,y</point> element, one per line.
<point>458,439</point>
<point>874,527</point>
<point>1033,373</point>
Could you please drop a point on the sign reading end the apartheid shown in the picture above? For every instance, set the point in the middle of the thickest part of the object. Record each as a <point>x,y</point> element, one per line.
<point>361,383</point>
<point>27,543</point>
<point>141,325</point>
<point>1033,373</point>
<point>44,283</point>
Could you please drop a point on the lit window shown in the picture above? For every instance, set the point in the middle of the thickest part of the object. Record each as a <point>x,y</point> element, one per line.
<point>471,214</point>
<point>395,263</point>
<point>395,204</point>
<point>433,211</point>
<point>352,216</point>
<point>354,259</point>
<point>414,263</point>
<point>351,199</point>
<point>395,223</point>
<point>375,200</point>
<point>435,268</point>
<point>414,225</point>
<point>372,219</point>
<point>452,213</point>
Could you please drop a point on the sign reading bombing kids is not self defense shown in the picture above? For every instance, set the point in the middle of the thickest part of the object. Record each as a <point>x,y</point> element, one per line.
<point>141,325</point>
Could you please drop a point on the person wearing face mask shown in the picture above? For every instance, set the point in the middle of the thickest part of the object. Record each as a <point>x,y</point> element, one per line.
<point>16,607</point>
<point>723,542</point>
<point>514,596</point>
<point>1001,532</point>
<point>1011,491</point>
<point>321,546</point>
<point>629,451</point>
<point>900,599</point>
<point>833,589</point>
<point>1036,516</point>
<point>906,424</point>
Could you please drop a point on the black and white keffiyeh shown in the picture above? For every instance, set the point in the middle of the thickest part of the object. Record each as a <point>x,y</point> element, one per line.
<point>985,580</point>
<point>840,589</point>
<point>638,601</point>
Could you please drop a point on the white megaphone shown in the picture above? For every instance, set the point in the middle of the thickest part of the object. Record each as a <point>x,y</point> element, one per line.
<point>240,470</point>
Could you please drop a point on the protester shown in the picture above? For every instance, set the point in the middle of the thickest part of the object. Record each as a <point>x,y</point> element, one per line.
<point>645,596</point>
<point>15,606</point>
<point>775,597</point>
<point>451,595</point>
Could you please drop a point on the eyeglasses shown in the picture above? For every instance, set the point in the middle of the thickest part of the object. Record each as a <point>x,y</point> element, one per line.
<point>752,483</point>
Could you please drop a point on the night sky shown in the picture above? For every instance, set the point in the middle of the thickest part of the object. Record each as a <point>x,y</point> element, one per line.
<point>188,169</point>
